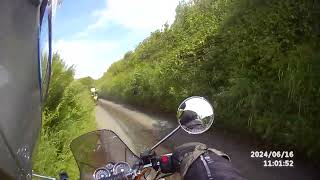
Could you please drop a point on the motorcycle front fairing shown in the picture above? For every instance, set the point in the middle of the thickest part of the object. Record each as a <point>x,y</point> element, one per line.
<point>99,148</point>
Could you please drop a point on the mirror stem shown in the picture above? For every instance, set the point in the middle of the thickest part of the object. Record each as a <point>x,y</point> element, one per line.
<point>165,138</point>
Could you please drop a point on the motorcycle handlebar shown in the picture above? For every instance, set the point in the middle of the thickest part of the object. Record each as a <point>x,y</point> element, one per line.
<point>163,162</point>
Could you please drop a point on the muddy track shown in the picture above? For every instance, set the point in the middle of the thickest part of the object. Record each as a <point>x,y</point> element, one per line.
<point>140,130</point>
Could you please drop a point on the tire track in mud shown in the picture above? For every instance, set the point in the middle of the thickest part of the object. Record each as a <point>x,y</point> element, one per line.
<point>137,128</point>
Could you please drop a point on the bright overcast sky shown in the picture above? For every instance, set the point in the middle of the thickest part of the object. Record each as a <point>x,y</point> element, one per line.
<point>92,34</point>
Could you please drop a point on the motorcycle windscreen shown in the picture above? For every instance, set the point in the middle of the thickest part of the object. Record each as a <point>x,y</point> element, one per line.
<point>98,148</point>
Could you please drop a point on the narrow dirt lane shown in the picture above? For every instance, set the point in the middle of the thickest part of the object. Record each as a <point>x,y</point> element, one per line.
<point>140,131</point>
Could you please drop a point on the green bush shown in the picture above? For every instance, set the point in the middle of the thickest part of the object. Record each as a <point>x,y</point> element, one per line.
<point>68,112</point>
<point>88,82</point>
<point>258,61</point>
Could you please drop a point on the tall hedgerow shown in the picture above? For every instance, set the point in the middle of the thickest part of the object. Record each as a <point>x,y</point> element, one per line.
<point>258,61</point>
<point>67,113</point>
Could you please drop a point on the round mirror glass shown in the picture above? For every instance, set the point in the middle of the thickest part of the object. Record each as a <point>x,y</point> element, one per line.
<point>195,115</point>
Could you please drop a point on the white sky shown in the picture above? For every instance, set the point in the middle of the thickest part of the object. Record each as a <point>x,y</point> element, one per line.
<point>135,18</point>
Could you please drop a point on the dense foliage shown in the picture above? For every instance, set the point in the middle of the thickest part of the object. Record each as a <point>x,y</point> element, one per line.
<point>258,61</point>
<point>67,113</point>
<point>88,82</point>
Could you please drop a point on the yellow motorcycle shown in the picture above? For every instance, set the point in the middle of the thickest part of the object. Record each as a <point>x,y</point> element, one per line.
<point>94,95</point>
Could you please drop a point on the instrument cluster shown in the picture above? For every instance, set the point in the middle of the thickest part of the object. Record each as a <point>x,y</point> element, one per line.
<point>112,170</point>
